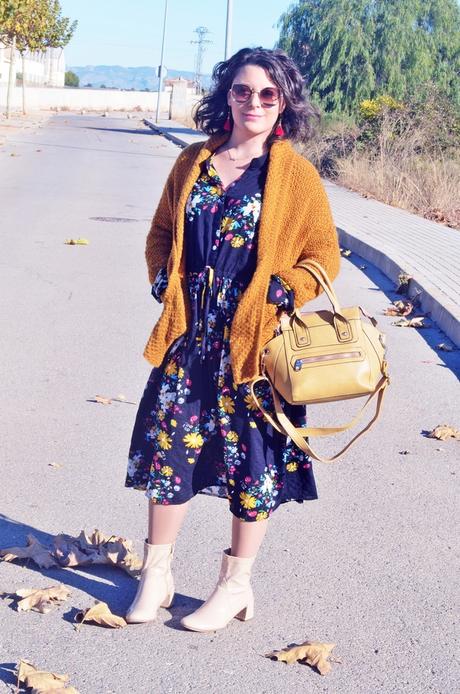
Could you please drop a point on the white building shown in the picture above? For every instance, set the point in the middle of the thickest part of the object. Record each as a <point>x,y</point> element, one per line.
<point>42,69</point>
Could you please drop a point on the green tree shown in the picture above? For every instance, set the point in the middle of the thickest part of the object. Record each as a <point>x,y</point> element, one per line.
<point>349,50</point>
<point>60,29</point>
<point>424,48</point>
<point>32,25</point>
<point>71,79</point>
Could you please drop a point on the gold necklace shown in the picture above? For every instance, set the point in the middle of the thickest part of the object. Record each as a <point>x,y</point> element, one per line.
<point>240,158</point>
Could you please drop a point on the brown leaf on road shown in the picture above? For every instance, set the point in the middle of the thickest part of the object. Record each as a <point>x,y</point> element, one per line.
<point>69,551</point>
<point>399,308</point>
<point>403,279</point>
<point>76,242</point>
<point>416,322</point>
<point>444,432</point>
<point>314,653</point>
<point>102,400</point>
<point>34,550</point>
<point>97,548</point>
<point>41,599</point>
<point>41,681</point>
<point>100,614</point>
<point>444,347</point>
<point>108,401</point>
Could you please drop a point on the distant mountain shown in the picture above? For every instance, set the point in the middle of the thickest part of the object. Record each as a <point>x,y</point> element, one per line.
<point>118,77</point>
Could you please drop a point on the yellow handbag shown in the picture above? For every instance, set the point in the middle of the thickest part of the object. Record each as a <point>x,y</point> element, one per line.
<point>323,356</point>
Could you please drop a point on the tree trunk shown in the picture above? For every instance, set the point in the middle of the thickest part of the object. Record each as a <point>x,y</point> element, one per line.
<point>11,77</point>
<point>23,84</point>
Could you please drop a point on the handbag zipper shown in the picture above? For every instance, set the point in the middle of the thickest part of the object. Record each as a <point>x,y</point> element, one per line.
<point>324,357</point>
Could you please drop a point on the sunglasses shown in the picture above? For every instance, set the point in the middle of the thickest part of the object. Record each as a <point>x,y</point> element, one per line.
<point>268,96</point>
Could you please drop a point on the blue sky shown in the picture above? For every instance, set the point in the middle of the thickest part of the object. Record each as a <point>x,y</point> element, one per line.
<point>116,32</point>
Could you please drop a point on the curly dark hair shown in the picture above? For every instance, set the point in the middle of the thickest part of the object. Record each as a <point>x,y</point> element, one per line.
<point>299,114</point>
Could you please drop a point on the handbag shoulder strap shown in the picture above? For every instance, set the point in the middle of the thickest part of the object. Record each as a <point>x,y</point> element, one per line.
<point>284,426</point>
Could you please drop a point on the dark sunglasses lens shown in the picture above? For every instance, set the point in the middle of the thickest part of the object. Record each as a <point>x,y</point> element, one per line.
<point>269,95</point>
<point>241,92</point>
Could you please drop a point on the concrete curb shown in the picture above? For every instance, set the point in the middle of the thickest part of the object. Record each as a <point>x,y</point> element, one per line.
<point>432,301</point>
<point>180,142</point>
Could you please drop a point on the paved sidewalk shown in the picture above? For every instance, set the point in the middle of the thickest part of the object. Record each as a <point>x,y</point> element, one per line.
<point>392,239</point>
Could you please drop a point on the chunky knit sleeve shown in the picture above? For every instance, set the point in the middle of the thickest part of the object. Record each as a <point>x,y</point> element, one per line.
<point>320,244</point>
<point>159,238</point>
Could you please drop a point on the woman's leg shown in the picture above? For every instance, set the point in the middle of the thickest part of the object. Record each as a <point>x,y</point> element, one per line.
<point>156,585</point>
<point>232,596</point>
<point>165,522</point>
<point>247,536</point>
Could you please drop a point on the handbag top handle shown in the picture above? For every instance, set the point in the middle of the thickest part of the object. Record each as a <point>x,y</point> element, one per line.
<point>321,276</point>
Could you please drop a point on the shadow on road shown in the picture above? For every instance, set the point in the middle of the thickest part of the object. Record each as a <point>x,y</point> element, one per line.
<point>106,583</point>
<point>120,130</point>
<point>432,335</point>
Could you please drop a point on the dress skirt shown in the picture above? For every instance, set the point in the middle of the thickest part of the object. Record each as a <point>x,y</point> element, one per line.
<point>196,431</point>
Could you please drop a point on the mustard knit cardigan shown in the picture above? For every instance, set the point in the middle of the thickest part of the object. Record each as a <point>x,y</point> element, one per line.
<point>295,224</point>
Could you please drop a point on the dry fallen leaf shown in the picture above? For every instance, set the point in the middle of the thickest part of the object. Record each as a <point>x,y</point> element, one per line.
<point>34,550</point>
<point>444,347</point>
<point>97,548</point>
<point>41,681</point>
<point>100,614</point>
<point>102,400</point>
<point>399,308</point>
<point>403,286</point>
<point>69,551</point>
<point>76,242</point>
<point>444,432</point>
<point>314,653</point>
<point>41,599</point>
<point>416,322</point>
<point>108,401</point>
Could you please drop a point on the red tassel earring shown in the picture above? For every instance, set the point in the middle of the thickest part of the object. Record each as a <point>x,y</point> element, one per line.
<point>279,132</point>
<point>228,124</point>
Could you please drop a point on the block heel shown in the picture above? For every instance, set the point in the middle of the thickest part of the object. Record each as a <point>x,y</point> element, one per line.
<point>247,612</point>
<point>233,590</point>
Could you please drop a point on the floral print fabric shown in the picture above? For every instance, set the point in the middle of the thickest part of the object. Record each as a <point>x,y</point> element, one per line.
<point>196,431</point>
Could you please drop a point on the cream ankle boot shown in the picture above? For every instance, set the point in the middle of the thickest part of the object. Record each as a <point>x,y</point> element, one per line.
<point>232,597</point>
<point>156,585</point>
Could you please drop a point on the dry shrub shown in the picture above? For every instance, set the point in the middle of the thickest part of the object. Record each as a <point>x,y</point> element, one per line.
<point>407,156</point>
<point>409,162</point>
<point>334,140</point>
<point>429,187</point>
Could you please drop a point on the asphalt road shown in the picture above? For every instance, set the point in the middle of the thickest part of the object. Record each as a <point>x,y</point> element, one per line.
<point>370,566</point>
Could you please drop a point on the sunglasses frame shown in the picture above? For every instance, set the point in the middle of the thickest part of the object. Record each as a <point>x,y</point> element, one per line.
<point>265,104</point>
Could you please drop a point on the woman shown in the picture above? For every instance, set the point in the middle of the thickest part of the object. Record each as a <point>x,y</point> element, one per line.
<point>238,212</point>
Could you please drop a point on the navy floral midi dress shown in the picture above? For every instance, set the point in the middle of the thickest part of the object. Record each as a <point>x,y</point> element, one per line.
<point>196,431</point>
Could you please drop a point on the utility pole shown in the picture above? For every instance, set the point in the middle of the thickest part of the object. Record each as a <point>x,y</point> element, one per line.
<point>160,70</point>
<point>228,29</point>
<point>201,32</point>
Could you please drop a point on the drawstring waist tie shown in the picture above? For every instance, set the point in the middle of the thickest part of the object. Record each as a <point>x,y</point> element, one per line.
<point>206,294</point>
